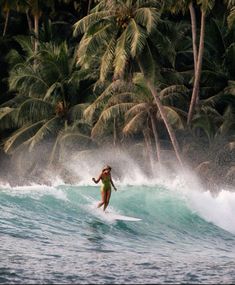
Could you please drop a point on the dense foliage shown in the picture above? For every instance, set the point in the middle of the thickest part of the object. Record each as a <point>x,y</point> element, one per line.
<point>75,75</point>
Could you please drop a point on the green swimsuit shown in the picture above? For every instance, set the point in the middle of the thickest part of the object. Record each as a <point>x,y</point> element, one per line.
<point>106,183</point>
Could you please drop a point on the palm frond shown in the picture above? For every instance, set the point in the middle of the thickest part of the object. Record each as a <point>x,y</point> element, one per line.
<point>55,59</point>
<point>174,93</point>
<point>135,124</point>
<point>123,97</point>
<point>76,112</point>
<point>82,25</point>
<point>115,87</point>
<point>25,79</point>
<point>8,118</point>
<point>78,75</point>
<point>228,122</point>
<point>173,89</point>
<point>26,44</point>
<point>20,136</point>
<point>231,17</point>
<point>75,138</point>
<point>4,111</point>
<point>81,51</point>
<point>100,38</point>
<point>175,118</point>
<point>51,90</point>
<point>230,58</point>
<point>33,110</point>
<point>51,127</point>
<point>230,89</point>
<point>107,59</point>
<point>122,53</point>
<point>15,102</point>
<point>14,58</point>
<point>136,109</point>
<point>212,101</point>
<point>115,111</point>
<point>147,17</point>
<point>147,63</point>
<point>107,115</point>
<point>138,38</point>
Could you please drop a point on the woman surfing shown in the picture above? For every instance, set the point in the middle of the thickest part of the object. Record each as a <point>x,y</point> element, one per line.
<point>107,182</point>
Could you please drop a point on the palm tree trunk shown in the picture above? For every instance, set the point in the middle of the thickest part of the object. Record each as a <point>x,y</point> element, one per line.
<point>194,35</point>
<point>6,23</point>
<point>29,21</point>
<point>158,150</point>
<point>89,7</point>
<point>168,126</point>
<point>36,31</point>
<point>114,132</point>
<point>148,148</point>
<point>29,25</point>
<point>198,69</point>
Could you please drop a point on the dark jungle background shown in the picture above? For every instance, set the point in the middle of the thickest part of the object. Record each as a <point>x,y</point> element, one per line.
<point>152,79</point>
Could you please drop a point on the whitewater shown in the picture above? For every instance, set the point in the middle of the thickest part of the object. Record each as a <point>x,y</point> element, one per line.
<point>53,234</point>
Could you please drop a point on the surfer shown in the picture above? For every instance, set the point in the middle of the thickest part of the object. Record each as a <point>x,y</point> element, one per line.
<point>107,181</point>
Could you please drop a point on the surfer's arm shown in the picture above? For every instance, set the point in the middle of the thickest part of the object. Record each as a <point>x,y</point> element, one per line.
<point>96,180</point>
<point>113,184</point>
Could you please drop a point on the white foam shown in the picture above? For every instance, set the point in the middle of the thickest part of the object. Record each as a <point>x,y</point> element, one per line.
<point>219,210</point>
<point>36,191</point>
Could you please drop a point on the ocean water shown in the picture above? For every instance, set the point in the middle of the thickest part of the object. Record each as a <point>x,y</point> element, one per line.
<point>56,235</point>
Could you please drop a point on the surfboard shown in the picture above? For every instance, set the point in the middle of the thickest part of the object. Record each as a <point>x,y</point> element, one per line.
<point>119,217</point>
<point>111,214</point>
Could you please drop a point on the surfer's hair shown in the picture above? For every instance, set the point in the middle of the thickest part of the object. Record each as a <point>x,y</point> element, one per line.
<point>107,167</point>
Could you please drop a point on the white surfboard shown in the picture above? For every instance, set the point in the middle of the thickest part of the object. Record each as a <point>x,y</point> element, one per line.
<point>110,214</point>
<point>114,216</point>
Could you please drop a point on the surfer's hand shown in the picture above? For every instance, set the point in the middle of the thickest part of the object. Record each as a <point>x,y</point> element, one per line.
<point>115,188</point>
<point>93,179</point>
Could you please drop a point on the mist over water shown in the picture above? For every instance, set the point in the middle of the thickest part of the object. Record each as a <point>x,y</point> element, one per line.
<point>53,233</point>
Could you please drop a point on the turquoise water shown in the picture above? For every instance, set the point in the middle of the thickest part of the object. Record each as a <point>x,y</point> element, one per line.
<point>55,235</point>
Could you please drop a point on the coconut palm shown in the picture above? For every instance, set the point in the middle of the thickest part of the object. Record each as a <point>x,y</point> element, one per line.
<point>117,32</point>
<point>55,77</point>
<point>48,95</point>
<point>133,106</point>
<point>146,110</point>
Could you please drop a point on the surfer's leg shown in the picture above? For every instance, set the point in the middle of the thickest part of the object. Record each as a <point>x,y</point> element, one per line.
<point>102,199</point>
<point>107,197</point>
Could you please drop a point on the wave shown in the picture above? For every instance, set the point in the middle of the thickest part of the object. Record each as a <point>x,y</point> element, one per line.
<point>184,229</point>
<point>172,207</point>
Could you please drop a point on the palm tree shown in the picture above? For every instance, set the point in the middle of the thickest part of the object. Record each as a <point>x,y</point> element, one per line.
<point>118,34</point>
<point>133,106</point>
<point>48,95</point>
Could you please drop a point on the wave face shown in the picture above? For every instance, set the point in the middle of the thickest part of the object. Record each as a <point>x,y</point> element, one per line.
<point>56,235</point>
